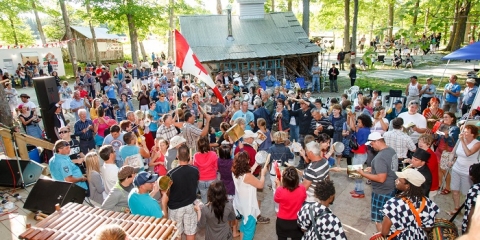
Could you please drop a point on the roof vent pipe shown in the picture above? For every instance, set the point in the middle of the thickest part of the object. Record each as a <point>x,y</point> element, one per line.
<point>229,17</point>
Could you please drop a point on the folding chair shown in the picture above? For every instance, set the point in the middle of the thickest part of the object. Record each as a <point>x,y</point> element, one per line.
<point>263,84</point>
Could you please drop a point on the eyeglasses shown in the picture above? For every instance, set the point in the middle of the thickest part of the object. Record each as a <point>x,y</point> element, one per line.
<point>62,132</point>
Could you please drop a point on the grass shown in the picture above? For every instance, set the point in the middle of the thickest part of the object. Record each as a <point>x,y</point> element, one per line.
<point>401,84</point>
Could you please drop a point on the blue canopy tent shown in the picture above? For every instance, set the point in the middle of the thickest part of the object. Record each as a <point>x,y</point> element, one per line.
<point>469,52</point>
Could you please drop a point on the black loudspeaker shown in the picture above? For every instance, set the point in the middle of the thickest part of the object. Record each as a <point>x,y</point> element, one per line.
<point>10,174</point>
<point>47,93</point>
<point>46,193</point>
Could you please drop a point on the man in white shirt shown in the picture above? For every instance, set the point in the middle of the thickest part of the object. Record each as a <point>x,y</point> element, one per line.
<point>414,122</point>
<point>109,170</point>
<point>26,101</point>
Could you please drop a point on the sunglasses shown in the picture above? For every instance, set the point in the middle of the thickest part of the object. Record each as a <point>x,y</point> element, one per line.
<point>62,132</point>
<point>414,103</point>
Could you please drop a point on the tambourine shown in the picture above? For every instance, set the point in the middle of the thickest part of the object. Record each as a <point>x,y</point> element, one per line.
<point>164,183</point>
<point>338,147</point>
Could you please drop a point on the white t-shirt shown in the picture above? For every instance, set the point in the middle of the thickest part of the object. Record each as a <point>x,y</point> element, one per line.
<point>419,121</point>
<point>378,126</point>
<point>30,104</point>
<point>109,174</point>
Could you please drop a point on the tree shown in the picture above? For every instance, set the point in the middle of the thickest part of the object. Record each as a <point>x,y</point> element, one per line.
<point>219,7</point>
<point>5,112</point>
<point>354,31</point>
<point>69,36</point>
<point>461,24</point>
<point>171,25</point>
<point>39,23</point>
<point>306,17</point>
<point>92,31</point>
<point>346,30</point>
<point>13,28</point>
<point>391,13</point>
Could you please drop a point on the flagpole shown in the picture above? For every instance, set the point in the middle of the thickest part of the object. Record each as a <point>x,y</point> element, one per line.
<point>175,61</point>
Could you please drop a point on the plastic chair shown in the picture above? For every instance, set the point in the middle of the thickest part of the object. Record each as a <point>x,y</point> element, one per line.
<point>301,82</point>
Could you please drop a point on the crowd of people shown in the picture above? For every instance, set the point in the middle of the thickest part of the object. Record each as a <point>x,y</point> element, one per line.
<point>116,150</point>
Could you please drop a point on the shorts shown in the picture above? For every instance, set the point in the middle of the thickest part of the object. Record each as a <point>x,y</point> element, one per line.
<point>186,219</point>
<point>378,200</point>
<point>248,229</point>
<point>460,182</point>
<point>288,229</point>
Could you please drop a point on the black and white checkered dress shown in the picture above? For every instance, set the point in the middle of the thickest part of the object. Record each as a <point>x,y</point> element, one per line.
<point>470,202</point>
<point>327,224</point>
<point>403,219</point>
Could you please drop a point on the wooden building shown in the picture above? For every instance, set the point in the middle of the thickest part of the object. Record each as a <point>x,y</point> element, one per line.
<point>110,49</point>
<point>252,41</point>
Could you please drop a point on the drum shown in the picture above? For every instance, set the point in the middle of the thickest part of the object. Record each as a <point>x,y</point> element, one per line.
<point>235,132</point>
<point>261,157</point>
<point>443,230</point>
<point>377,236</point>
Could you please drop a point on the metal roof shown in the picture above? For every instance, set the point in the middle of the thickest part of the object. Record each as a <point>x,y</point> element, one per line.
<point>278,34</point>
<point>100,33</point>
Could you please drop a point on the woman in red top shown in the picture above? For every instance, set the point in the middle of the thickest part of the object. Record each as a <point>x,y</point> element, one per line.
<point>157,159</point>
<point>290,197</point>
<point>425,141</point>
<point>206,162</point>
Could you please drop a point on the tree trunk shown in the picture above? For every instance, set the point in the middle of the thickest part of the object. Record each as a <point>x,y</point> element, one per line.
<point>454,29</point>
<point>391,6</point>
<point>354,31</point>
<point>273,6</point>
<point>346,30</point>
<point>5,112</point>
<point>69,35</point>
<point>39,23</point>
<point>289,5</point>
<point>474,30</point>
<point>467,32</point>
<point>306,17</point>
<point>171,27</point>
<point>219,7</point>
<point>132,31</point>
<point>14,32</point>
<point>142,50</point>
<point>415,15</point>
<point>426,22</point>
<point>94,36</point>
<point>461,25</point>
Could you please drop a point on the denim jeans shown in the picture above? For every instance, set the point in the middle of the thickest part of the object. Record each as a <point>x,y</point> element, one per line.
<point>316,83</point>
<point>359,159</point>
<point>203,188</point>
<point>294,133</point>
<point>333,85</point>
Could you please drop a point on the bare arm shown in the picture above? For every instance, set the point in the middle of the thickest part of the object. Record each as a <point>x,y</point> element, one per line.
<point>386,224</point>
<point>252,180</point>
<point>468,151</point>
<point>380,177</point>
<point>74,179</point>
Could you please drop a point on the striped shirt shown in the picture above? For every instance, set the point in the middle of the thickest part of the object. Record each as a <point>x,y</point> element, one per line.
<point>79,126</point>
<point>400,142</point>
<point>316,172</point>
<point>191,133</point>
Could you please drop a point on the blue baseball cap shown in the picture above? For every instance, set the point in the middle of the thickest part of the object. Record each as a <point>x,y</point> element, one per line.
<point>144,177</point>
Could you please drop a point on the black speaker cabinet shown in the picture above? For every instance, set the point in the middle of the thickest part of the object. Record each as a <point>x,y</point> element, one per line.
<point>47,93</point>
<point>46,193</point>
<point>10,174</point>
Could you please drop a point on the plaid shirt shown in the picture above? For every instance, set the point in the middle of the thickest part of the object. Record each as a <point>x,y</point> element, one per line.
<point>166,133</point>
<point>191,133</point>
<point>399,141</point>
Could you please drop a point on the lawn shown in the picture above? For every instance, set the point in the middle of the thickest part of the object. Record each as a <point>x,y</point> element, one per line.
<point>401,84</point>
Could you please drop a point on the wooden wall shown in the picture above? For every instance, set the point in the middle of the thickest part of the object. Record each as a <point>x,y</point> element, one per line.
<point>86,52</point>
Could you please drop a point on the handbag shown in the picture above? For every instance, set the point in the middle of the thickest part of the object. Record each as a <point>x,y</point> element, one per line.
<point>448,158</point>
<point>352,143</point>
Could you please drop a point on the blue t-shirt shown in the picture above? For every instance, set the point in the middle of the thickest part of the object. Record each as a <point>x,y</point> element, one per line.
<point>132,152</point>
<point>162,107</point>
<point>61,166</point>
<point>454,88</point>
<point>110,91</point>
<point>153,125</point>
<point>116,144</point>
<point>248,118</point>
<point>143,204</point>
<point>362,135</point>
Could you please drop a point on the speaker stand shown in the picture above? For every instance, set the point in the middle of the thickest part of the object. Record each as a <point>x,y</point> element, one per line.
<point>18,161</point>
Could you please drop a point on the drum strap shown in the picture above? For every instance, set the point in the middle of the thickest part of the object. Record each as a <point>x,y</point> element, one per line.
<point>415,212</point>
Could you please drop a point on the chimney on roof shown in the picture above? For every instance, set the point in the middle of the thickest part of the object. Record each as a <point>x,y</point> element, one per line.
<point>251,9</point>
<point>229,17</point>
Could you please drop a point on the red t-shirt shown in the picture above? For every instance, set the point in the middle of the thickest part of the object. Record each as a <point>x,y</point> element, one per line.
<point>83,93</point>
<point>289,203</point>
<point>206,164</point>
<point>251,153</point>
<point>432,164</point>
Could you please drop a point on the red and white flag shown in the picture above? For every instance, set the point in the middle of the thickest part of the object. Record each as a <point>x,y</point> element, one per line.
<point>188,62</point>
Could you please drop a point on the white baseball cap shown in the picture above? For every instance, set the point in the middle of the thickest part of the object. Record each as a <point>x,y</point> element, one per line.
<point>412,175</point>
<point>373,137</point>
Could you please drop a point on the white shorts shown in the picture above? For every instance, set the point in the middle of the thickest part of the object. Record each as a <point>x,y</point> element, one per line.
<point>460,182</point>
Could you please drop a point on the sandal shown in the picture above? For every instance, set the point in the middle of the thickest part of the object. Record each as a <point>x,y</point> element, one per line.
<point>445,192</point>
<point>451,213</point>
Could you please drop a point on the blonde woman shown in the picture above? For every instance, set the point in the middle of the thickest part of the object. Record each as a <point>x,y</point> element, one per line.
<point>95,181</point>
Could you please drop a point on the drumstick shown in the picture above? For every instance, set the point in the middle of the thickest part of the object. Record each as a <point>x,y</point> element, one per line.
<point>267,162</point>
